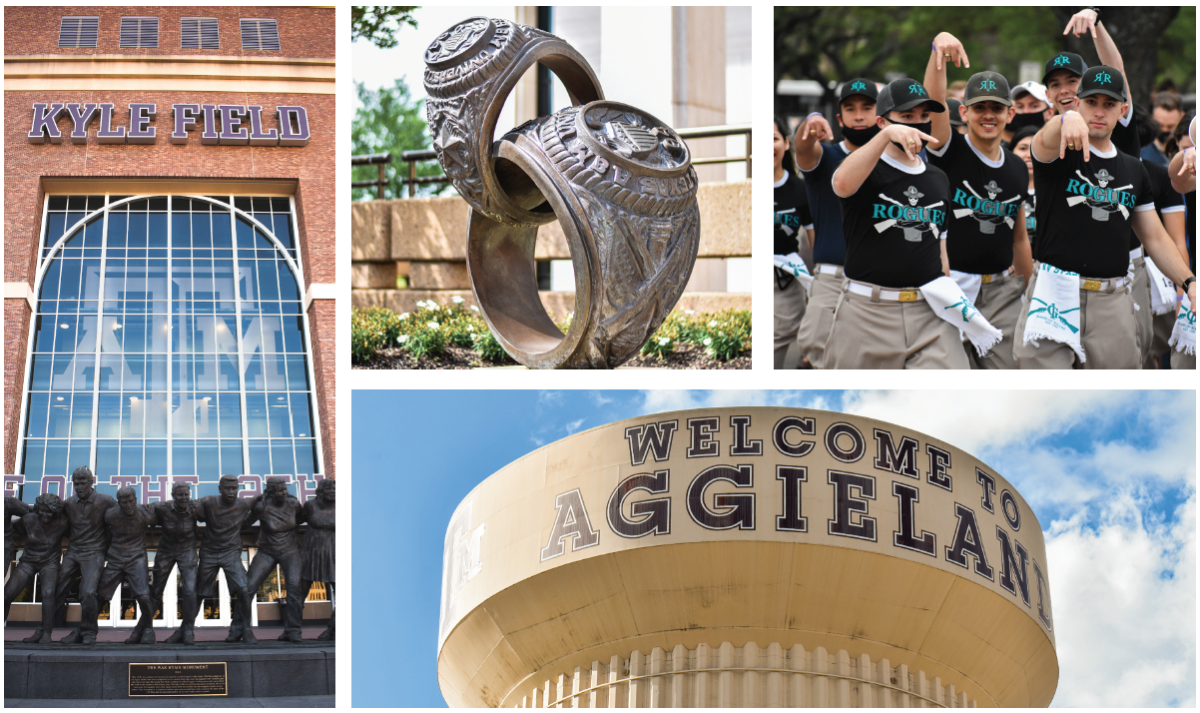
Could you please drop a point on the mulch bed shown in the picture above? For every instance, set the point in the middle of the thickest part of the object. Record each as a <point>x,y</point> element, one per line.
<point>686,356</point>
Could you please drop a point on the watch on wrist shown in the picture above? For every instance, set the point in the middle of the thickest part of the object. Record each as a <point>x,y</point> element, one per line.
<point>1188,283</point>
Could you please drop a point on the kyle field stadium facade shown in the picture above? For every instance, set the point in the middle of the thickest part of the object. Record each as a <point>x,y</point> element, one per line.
<point>169,256</point>
<point>749,557</point>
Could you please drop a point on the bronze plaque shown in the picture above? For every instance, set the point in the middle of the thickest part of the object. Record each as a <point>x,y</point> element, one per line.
<point>178,679</point>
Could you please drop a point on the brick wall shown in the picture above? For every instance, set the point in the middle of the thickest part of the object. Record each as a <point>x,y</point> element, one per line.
<point>16,338</point>
<point>303,31</point>
<point>322,322</point>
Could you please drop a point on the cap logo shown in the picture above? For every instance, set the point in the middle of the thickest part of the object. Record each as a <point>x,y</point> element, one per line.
<point>987,85</point>
<point>1103,78</point>
<point>916,88</point>
<point>858,86</point>
<point>1061,60</point>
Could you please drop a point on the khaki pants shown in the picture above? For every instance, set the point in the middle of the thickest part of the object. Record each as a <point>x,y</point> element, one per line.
<point>818,318</point>
<point>1143,316</point>
<point>1183,360</point>
<point>789,309</point>
<point>1000,304</point>
<point>870,334</point>
<point>1108,333</point>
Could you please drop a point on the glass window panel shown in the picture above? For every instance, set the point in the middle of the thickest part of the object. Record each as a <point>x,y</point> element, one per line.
<point>157,410</point>
<point>158,230</point>
<point>108,455</point>
<point>36,413</point>
<point>86,335</point>
<point>110,372</point>
<point>135,280</point>
<point>35,457</point>
<point>156,372</point>
<point>231,457</point>
<point>208,460</point>
<point>91,279</point>
<point>183,373</point>
<point>221,237</point>
<point>230,414</point>
<point>227,376</point>
<point>183,419</point>
<point>60,415</point>
<point>206,334</point>
<point>131,457</point>
<point>287,283</point>
<point>64,339</point>
<point>64,372</point>
<point>202,279</point>
<point>137,230</point>
<point>57,452</point>
<point>134,375</point>
<point>277,412</point>
<point>156,458</point>
<point>268,280</point>
<point>201,230</point>
<point>181,280</point>
<point>306,456</point>
<point>206,372</point>
<point>206,415</point>
<point>50,281</point>
<point>81,416</point>
<point>260,458</point>
<point>54,228</point>
<point>251,335</point>
<point>108,416</point>
<point>69,281</point>
<point>158,333</point>
<point>225,334</point>
<point>43,340</point>
<point>134,329</point>
<point>256,415</point>
<point>94,233</point>
<point>245,234</point>
<point>282,456</point>
<point>112,332</point>
<point>81,454</point>
<point>114,279</point>
<point>85,372</point>
<point>43,367</point>
<point>117,227</point>
<point>280,205</point>
<point>266,249</point>
<point>301,421</point>
<point>183,457</point>
<point>272,331</point>
<point>283,230</point>
<point>156,280</point>
<point>241,203</point>
<point>273,370</point>
<point>247,282</point>
<point>297,372</point>
<point>133,414</point>
<point>223,281</point>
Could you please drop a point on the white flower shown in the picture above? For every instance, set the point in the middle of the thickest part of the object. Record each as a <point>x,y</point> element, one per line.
<point>433,325</point>
<point>470,328</point>
<point>664,341</point>
<point>708,341</point>
<point>712,323</point>
<point>474,308</point>
<point>456,300</point>
<point>402,338</point>
<point>404,316</point>
<point>689,311</point>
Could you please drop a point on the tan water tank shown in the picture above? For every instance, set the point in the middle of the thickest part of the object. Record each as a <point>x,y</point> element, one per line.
<point>746,557</point>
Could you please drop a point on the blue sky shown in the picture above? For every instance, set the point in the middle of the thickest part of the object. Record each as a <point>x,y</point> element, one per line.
<point>1111,476</point>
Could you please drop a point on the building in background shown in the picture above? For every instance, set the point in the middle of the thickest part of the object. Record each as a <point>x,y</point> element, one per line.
<point>169,254</point>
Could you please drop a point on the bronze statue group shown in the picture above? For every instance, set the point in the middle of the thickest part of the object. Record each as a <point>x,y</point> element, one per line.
<point>107,547</point>
<point>1021,227</point>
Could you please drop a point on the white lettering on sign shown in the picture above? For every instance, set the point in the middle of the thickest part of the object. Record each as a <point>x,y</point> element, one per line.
<point>224,124</point>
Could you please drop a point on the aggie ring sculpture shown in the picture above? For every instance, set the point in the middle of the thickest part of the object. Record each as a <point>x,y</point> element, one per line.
<point>619,180</point>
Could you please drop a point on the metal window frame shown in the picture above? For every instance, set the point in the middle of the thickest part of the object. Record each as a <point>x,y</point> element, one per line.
<point>294,265</point>
<point>258,33</point>
<point>200,32</point>
<point>79,34</point>
<point>139,18</point>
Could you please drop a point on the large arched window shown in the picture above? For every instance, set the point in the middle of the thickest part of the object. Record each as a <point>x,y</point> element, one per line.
<point>169,340</point>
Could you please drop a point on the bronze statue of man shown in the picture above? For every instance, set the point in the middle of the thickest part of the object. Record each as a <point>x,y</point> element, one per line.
<point>85,554</point>
<point>224,517</point>
<point>44,530</point>
<point>278,514</point>
<point>13,507</point>
<point>177,546</point>
<point>317,549</point>
<point>129,522</point>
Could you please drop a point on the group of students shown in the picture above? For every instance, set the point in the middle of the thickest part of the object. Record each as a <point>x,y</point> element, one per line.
<point>1034,238</point>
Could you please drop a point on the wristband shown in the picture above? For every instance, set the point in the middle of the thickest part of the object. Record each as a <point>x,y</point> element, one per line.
<point>815,113</point>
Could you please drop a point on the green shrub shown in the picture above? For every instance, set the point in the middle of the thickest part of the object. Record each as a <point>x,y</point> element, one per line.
<point>372,329</point>
<point>488,347</point>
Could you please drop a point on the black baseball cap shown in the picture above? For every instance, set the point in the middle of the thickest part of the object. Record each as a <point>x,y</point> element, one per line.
<point>859,86</point>
<point>1102,80</point>
<point>1065,60</point>
<point>955,119</point>
<point>904,94</point>
<point>987,86</point>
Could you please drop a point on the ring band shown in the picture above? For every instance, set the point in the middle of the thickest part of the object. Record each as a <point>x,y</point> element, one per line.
<point>912,143</point>
<point>470,71</point>
<point>947,56</point>
<point>623,188</point>
<point>1070,146</point>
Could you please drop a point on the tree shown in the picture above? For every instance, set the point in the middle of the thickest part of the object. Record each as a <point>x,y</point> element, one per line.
<point>390,120</point>
<point>374,24</point>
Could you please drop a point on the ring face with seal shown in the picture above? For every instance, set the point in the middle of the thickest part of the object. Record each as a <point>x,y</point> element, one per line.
<point>622,186</point>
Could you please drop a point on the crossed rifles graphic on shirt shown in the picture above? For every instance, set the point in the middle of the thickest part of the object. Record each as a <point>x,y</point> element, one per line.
<point>911,234</point>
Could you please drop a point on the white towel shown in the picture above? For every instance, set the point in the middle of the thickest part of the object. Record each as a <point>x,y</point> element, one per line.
<point>1054,309</point>
<point>1162,290</point>
<point>970,284</point>
<point>1183,337</point>
<point>949,302</point>
<point>794,264</point>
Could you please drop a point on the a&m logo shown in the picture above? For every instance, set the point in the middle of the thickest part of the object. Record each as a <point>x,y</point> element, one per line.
<point>1061,60</point>
<point>968,311</point>
<point>987,85</point>
<point>858,86</point>
<point>1053,312</point>
<point>1103,78</point>
<point>916,88</point>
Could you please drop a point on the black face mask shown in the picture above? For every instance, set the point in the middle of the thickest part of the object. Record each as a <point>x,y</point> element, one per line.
<point>860,136</point>
<point>1163,137</point>
<point>925,128</point>
<point>1020,121</point>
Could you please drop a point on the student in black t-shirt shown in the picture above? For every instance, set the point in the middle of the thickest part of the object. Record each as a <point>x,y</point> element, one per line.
<point>792,223</point>
<point>985,232</point>
<point>818,161</point>
<point>1021,147</point>
<point>1090,197</point>
<point>893,213</point>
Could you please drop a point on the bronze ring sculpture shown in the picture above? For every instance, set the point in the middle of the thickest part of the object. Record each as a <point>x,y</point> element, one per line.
<point>622,186</point>
<point>471,70</point>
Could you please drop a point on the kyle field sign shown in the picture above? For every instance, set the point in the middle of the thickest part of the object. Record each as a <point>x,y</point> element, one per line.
<point>224,124</point>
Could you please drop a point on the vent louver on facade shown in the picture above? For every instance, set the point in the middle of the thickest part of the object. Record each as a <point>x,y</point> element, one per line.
<point>78,31</point>
<point>258,34</point>
<point>139,32</point>
<point>199,33</point>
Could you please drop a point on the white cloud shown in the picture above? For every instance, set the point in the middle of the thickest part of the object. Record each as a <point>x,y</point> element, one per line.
<point>1124,596</point>
<point>663,400</point>
<point>573,426</point>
